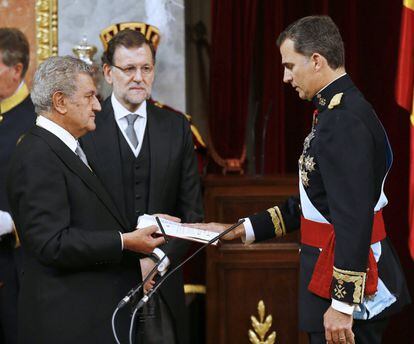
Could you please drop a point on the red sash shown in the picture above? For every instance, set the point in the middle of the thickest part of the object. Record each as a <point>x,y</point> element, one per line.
<point>322,235</point>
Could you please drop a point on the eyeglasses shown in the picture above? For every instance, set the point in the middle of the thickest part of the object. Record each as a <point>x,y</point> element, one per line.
<point>132,70</point>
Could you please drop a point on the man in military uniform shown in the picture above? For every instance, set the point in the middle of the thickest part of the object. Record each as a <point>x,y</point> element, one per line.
<point>16,117</point>
<point>144,155</point>
<point>350,278</point>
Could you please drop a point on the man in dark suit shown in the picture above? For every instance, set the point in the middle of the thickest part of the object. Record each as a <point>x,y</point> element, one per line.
<point>16,117</point>
<point>79,259</point>
<point>144,155</point>
<point>350,278</point>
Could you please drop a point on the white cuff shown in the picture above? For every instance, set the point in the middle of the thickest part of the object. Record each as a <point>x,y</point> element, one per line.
<point>343,307</point>
<point>248,228</point>
<point>6,223</point>
<point>122,241</point>
<point>162,268</point>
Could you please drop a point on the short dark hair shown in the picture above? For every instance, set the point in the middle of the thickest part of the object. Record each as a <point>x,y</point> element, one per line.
<point>129,39</point>
<point>14,48</point>
<point>316,34</point>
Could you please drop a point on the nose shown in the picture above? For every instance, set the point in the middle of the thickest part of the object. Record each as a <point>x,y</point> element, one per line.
<point>287,76</point>
<point>138,75</point>
<point>96,106</point>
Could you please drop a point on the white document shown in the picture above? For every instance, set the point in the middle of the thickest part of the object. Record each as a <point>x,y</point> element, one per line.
<point>177,230</point>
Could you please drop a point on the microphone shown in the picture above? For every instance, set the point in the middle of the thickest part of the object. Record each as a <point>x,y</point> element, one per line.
<point>147,296</point>
<point>128,297</point>
<point>136,289</point>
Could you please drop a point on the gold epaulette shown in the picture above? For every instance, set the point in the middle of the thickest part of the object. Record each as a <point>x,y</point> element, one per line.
<point>336,100</point>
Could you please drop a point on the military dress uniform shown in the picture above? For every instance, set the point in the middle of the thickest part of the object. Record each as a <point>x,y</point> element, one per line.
<point>17,116</point>
<point>345,253</point>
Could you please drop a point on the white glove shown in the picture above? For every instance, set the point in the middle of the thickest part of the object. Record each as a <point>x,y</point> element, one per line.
<point>6,223</point>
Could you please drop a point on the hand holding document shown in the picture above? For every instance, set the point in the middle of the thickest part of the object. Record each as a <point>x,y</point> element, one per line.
<point>177,230</point>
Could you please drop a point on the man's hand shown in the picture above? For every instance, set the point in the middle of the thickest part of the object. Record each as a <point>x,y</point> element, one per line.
<point>238,232</point>
<point>141,240</point>
<point>338,327</point>
<point>147,264</point>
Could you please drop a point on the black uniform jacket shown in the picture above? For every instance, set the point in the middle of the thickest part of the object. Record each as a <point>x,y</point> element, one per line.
<point>174,186</point>
<point>75,272</point>
<point>342,169</point>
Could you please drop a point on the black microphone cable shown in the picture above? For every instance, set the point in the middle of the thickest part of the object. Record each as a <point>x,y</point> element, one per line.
<point>130,295</point>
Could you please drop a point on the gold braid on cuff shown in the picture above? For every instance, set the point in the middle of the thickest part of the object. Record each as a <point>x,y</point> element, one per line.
<point>348,282</point>
<point>278,223</point>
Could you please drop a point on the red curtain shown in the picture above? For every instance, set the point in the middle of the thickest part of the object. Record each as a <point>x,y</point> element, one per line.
<point>370,30</point>
<point>233,32</point>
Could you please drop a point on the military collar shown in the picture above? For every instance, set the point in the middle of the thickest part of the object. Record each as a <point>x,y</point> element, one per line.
<point>322,99</point>
<point>14,100</point>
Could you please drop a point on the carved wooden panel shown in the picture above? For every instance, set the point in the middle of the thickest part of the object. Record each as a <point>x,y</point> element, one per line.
<point>238,275</point>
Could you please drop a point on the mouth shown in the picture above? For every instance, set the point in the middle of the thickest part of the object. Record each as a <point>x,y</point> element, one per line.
<point>137,88</point>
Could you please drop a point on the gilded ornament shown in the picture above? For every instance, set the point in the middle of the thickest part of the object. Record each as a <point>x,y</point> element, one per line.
<point>336,100</point>
<point>321,100</point>
<point>46,29</point>
<point>339,291</point>
<point>309,164</point>
<point>261,327</point>
<point>1,118</point>
<point>304,178</point>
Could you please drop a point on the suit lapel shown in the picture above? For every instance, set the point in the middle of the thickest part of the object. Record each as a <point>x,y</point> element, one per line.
<point>73,163</point>
<point>103,152</point>
<point>159,131</point>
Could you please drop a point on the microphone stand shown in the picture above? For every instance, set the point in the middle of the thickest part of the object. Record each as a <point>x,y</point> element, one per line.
<point>131,295</point>
<point>147,296</point>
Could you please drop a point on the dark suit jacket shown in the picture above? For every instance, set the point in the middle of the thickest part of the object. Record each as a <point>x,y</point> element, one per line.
<point>174,183</point>
<point>74,269</point>
<point>351,156</point>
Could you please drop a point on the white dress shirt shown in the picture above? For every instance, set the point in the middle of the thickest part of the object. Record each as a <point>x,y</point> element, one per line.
<point>140,124</point>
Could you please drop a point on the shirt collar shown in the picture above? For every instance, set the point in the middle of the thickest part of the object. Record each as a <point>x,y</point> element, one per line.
<point>121,111</point>
<point>58,131</point>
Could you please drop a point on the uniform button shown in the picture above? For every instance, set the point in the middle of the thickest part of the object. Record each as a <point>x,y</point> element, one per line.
<point>137,196</point>
<point>137,182</point>
<point>138,211</point>
<point>137,167</point>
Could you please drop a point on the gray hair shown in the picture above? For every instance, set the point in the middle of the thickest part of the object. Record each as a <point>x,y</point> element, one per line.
<point>56,74</point>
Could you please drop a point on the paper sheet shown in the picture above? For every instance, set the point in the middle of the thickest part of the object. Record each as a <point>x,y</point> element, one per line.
<point>176,229</point>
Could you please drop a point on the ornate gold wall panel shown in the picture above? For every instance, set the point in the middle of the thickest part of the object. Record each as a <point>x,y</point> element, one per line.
<point>46,29</point>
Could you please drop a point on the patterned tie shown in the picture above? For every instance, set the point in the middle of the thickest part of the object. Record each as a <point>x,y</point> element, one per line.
<point>81,154</point>
<point>130,131</point>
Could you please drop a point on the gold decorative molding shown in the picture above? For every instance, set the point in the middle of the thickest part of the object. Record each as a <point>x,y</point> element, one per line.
<point>46,29</point>
<point>194,289</point>
<point>261,327</point>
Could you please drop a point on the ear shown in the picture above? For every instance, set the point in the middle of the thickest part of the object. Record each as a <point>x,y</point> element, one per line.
<point>318,61</point>
<point>107,71</point>
<point>18,69</point>
<point>59,101</point>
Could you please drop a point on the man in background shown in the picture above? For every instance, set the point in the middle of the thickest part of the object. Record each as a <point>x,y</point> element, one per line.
<point>79,256</point>
<point>144,155</point>
<point>16,117</point>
